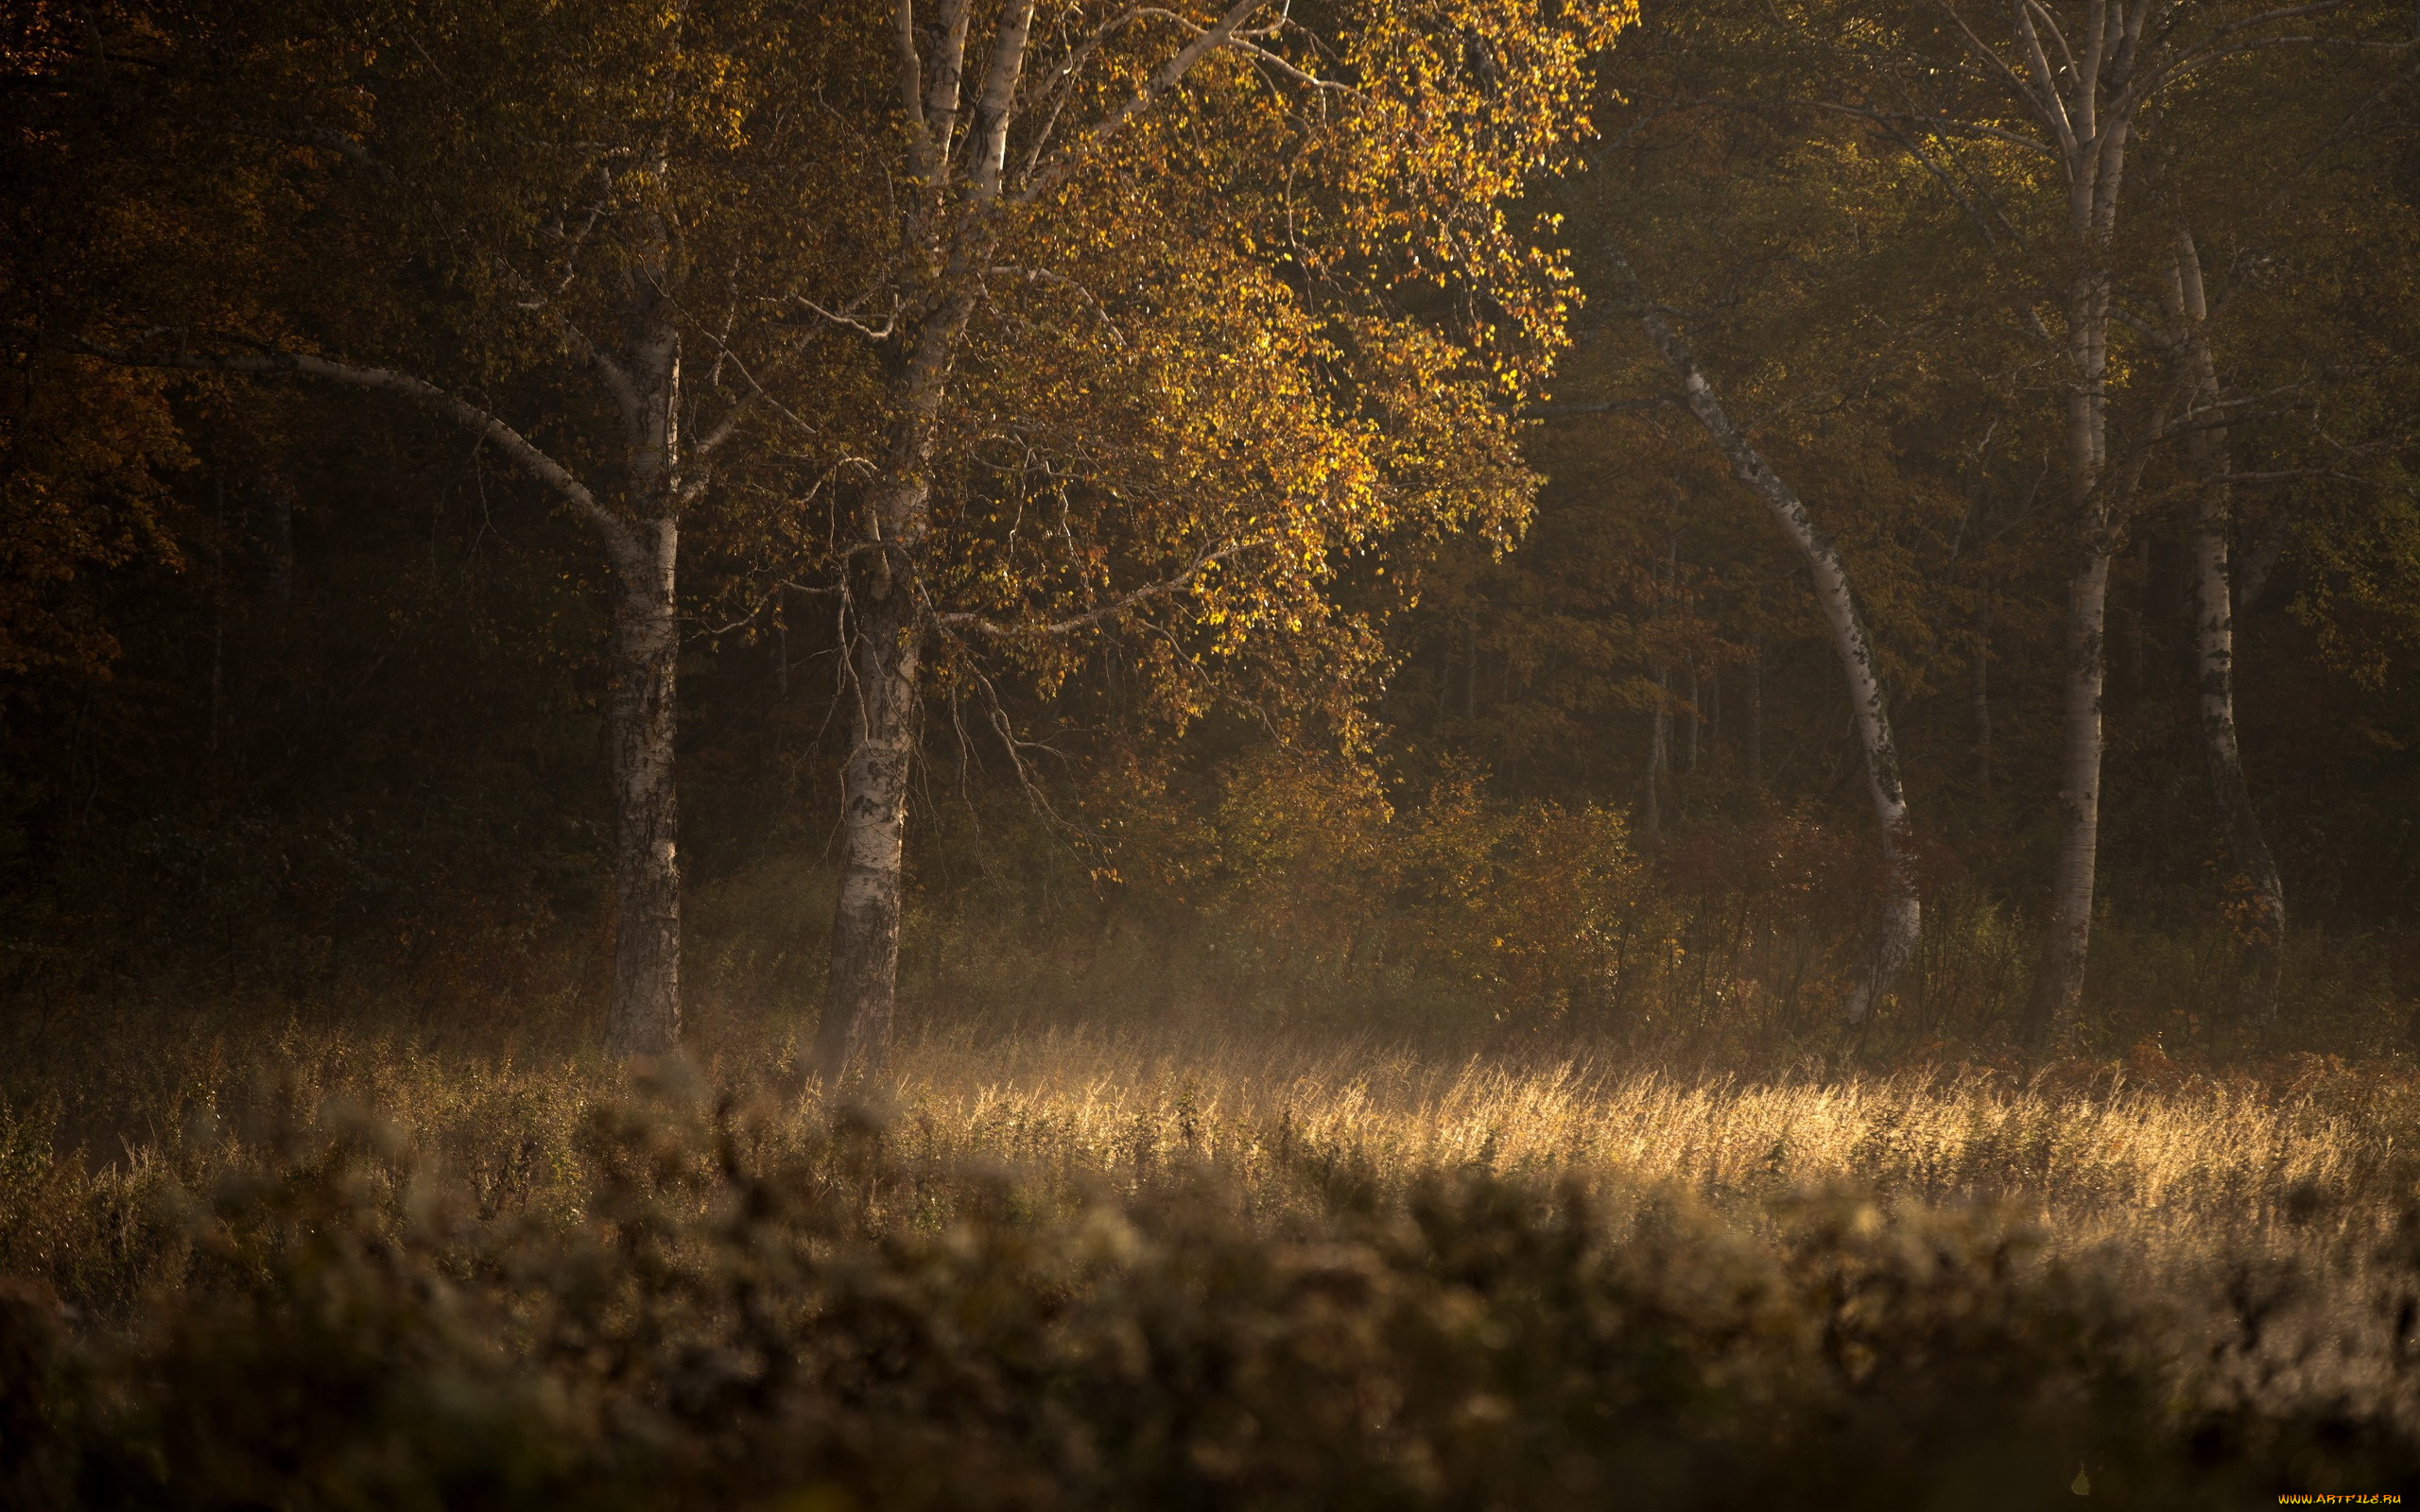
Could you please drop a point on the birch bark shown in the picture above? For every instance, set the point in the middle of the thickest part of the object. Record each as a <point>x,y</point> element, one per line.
<point>2254,869</point>
<point>642,1017</point>
<point>855,1033</point>
<point>643,1014</point>
<point>1902,920</point>
<point>948,227</point>
<point>2079,73</point>
<point>2088,111</point>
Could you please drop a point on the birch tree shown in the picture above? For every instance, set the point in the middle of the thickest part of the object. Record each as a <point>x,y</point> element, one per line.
<point>1782,245</point>
<point>1242,293</point>
<point>1902,918</point>
<point>2068,86</point>
<point>2254,869</point>
<point>453,203</point>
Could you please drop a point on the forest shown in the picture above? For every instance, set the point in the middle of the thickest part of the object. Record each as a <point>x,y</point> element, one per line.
<point>1495,754</point>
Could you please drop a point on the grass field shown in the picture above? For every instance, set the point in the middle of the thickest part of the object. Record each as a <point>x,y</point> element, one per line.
<point>1061,1265</point>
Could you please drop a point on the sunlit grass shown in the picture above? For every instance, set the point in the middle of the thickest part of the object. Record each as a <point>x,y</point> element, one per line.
<point>2083,1238</point>
<point>2091,1155</point>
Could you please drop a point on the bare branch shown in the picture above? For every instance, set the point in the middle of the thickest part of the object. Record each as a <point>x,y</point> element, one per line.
<point>1061,88</point>
<point>1250,48</point>
<point>1602,407</point>
<point>461,411</point>
<point>617,381</point>
<point>871,333</point>
<point>1170,74</point>
<point>1110,611</point>
<point>2008,76</point>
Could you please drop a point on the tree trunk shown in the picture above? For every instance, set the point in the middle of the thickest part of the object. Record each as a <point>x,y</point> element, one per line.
<point>644,1016</point>
<point>854,1037</point>
<point>1696,722</point>
<point>1756,715</point>
<point>2259,892</point>
<point>2058,982</point>
<point>1659,748</point>
<point>1902,920</point>
<point>1982,701</point>
<point>1470,670</point>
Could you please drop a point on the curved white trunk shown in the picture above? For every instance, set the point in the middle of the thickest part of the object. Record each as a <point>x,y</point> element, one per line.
<point>1902,921</point>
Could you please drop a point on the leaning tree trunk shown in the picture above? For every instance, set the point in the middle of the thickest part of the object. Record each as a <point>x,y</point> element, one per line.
<point>1902,921</point>
<point>854,1036</point>
<point>644,1017</point>
<point>2255,870</point>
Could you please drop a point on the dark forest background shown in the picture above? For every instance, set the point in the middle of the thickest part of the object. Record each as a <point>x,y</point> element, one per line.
<point>304,690</point>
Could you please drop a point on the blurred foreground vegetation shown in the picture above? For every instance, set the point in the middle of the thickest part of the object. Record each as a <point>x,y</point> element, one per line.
<point>1187,1259</point>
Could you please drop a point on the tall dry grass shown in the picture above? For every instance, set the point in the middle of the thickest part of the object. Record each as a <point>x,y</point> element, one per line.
<point>1978,1271</point>
<point>2140,1159</point>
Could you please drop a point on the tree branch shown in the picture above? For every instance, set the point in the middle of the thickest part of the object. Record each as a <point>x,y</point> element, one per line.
<point>1110,611</point>
<point>993,110</point>
<point>382,380</point>
<point>1170,74</point>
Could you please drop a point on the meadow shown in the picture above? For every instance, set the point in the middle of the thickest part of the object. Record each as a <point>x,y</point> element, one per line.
<point>1193,1259</point>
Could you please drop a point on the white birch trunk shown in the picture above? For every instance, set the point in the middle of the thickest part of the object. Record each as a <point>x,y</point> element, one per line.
<point>643,1014</point>
<point>854,1039</point>
<point>642,1017</point>
<point>1902,920</point>
<point>2058,981</point>
<point>2084,106</point>
<point>954,241</point>
<point>949,219</point>
<point>2255,874</point>
<point>854,1036</point>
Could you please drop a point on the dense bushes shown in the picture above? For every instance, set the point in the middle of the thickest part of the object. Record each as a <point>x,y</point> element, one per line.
<point>755,1307</point>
